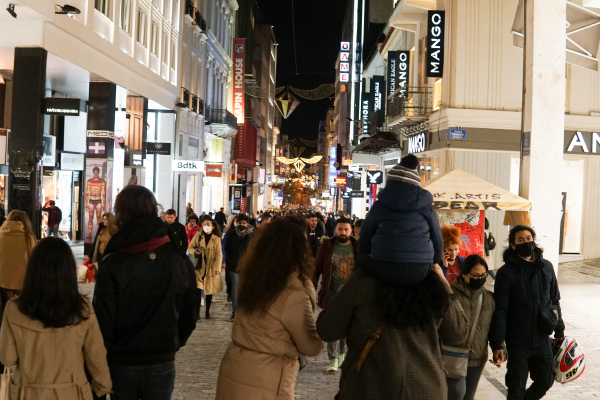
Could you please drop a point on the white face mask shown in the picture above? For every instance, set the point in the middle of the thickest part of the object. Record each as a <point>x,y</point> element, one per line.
<point>207,229</point>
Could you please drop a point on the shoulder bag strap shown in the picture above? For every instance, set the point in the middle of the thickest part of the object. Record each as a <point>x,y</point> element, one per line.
<point>475,321</point>
<point>357,365</point>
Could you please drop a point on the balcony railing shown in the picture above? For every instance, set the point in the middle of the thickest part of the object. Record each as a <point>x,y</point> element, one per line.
<point>195,101</point>
<point>222,116</point>
<point>199,21</point>
<point>201,107</point>
<point>190,10</point>
<point>416,103</point>
<point>185,97</point>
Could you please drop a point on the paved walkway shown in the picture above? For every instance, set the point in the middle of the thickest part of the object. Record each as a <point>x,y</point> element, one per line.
<point>198,362</point>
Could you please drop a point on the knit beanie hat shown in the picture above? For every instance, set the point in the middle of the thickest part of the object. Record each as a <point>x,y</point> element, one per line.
<point>406,171</point>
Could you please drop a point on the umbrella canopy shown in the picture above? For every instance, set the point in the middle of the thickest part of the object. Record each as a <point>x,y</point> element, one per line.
<point>458,190</point>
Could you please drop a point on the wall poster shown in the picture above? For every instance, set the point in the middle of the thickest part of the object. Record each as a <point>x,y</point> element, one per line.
<point>98,195</point>
<point>471,226</point>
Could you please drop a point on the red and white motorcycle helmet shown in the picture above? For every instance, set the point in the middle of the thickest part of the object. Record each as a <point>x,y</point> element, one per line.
<point>569,361</point>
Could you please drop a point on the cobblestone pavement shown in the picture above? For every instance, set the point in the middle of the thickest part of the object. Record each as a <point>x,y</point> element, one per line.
<point>198,362</point>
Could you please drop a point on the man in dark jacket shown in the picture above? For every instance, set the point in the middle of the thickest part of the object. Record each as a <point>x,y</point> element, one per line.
<point>54,218</point>
<point>400,239</point>
<point>221,218</point>
<point>334,263</point>
<point>315,233</point>
<point>525,279</point>
<point>179,233</point>
<point>236,244</point>
<point>145,299</point>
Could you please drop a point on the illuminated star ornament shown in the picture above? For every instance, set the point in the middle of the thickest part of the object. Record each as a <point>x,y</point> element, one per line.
<point>299,163</point>
<point>287,103</point>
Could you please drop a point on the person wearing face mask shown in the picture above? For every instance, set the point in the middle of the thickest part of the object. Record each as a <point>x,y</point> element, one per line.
<point>238,238</point>
<point>192,227</point>
<point>334,263</point>
<point>468,289</point>
<point>206,247</point>
<point>525,286</point>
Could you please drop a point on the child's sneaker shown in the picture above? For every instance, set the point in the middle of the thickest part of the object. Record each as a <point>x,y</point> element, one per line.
<point>333,365</point>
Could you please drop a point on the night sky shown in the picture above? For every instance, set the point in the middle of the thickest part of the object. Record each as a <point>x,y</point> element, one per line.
<point>318,34</point>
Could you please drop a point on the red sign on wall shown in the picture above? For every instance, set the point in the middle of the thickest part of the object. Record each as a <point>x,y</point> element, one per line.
<point>243,205</point>
<point>245,145</point>
<point>472,237</point>
<point>239,76</point>
<point>214,170</point>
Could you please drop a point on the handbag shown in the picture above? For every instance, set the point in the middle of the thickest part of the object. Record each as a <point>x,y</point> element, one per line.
<point>357,365</point>
<point>456,359</point>
<point>5,382</point>
<point>548,314</point>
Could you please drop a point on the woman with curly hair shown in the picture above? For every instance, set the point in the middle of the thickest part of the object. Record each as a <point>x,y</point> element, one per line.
<point>409,323</point>
<point>451,261</point>
<point>275,321</point>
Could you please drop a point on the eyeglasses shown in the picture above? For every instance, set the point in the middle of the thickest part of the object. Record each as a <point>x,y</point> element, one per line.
<point>478,276</point>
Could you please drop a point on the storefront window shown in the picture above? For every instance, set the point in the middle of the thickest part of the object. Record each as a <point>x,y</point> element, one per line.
<point>572,188</point>
<point>58,186</point>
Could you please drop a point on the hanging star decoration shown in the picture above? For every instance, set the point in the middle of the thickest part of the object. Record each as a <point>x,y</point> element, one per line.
<point>299,162</point>
<point>287,103</point>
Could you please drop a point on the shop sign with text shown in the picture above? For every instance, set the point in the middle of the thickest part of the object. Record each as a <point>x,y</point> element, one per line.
<point>158,148</point>
<point>417,143</point>
<point>391,72</point>
<point>239,76</point>
<point>63,106</point>
<point>214,170</point>
<point>188,165</point>
<point>435,43</point>
<point>403,75</point>
<point>582,143</point>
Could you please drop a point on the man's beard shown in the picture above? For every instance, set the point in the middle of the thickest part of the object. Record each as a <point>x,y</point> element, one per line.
<point>343,239</point>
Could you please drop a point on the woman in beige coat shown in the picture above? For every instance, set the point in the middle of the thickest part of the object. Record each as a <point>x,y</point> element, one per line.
<point>50,332</point>
<point>16,242</point>
<point>206,248</point>
<point>275,321</point>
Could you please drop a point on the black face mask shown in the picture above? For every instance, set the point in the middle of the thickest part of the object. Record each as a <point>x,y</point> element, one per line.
<point>476,283</point>
<point>241,228</point>
<point>525,249</point>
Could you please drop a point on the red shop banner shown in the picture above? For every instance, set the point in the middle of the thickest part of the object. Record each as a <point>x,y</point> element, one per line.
<point>245,145</point>
<point>239,75</point>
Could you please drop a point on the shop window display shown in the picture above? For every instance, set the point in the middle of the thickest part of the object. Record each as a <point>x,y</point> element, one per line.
<point>58,186</point>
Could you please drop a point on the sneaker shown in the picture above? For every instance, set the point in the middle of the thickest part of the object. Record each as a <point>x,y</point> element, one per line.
<point>333,365</point>
<point>232,317</point>
<point>202,302</point>
<point>341,359</point>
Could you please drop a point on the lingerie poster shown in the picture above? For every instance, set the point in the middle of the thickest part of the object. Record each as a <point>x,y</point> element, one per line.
<point>98,196</point>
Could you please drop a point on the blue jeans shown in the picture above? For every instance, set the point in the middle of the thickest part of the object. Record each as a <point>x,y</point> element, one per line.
<point>144,382</point>
<point>50,230</point>
<point>235,279</point>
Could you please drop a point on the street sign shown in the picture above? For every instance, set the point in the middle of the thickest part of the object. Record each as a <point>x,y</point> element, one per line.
<point>357,194</point>
<point>457,134</point>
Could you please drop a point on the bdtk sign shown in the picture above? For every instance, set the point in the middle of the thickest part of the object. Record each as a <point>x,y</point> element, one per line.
<point>436,21</point>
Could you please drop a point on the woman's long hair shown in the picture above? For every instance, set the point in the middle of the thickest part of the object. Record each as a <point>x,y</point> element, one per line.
<point>406,306</point>
<point>20,216</point>
<point>132,203</point>
<point>112,228</point>
<point>216,230</point>
<point>275,253</point>
<point>50,293</point>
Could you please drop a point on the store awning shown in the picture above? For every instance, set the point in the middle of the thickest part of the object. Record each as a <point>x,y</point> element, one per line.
<point>583,34</point>
<point>380,142</point>
<point>458,190</point>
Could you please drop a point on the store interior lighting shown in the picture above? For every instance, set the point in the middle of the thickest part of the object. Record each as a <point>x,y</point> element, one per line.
<point>11,10</point>
<point>2,80</point>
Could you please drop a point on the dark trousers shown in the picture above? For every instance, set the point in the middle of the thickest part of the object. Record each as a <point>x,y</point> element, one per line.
<point>524,361</point>
<point>465,388</point>
<point>208,302</point>
<point>146,382</point>
<point>228,281</point>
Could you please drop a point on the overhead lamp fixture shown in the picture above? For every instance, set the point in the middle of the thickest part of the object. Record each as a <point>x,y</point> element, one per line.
<point>11,10</point>
<point>68,9</point>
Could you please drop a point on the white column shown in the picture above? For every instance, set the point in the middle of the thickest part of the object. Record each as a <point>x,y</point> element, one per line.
<point>211,83</point>
<point>544,118</point>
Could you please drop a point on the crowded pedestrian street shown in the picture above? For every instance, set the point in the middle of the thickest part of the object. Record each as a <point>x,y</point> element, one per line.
<point>299,199</point>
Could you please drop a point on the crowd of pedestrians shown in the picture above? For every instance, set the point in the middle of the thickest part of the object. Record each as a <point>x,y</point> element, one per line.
<point>400,312</point>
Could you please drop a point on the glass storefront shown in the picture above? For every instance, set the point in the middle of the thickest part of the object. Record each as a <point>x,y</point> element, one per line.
<point>59,186</point>
<point>572,188</point>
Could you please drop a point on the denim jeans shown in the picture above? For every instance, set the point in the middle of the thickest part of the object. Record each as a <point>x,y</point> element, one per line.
<point>144,382</point>
<point>235,279</point>
<point>50,230</point>
<point>336,349</point>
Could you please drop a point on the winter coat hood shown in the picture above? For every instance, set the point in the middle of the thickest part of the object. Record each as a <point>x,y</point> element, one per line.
<point>139,231</point>
<point>404,197</point>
